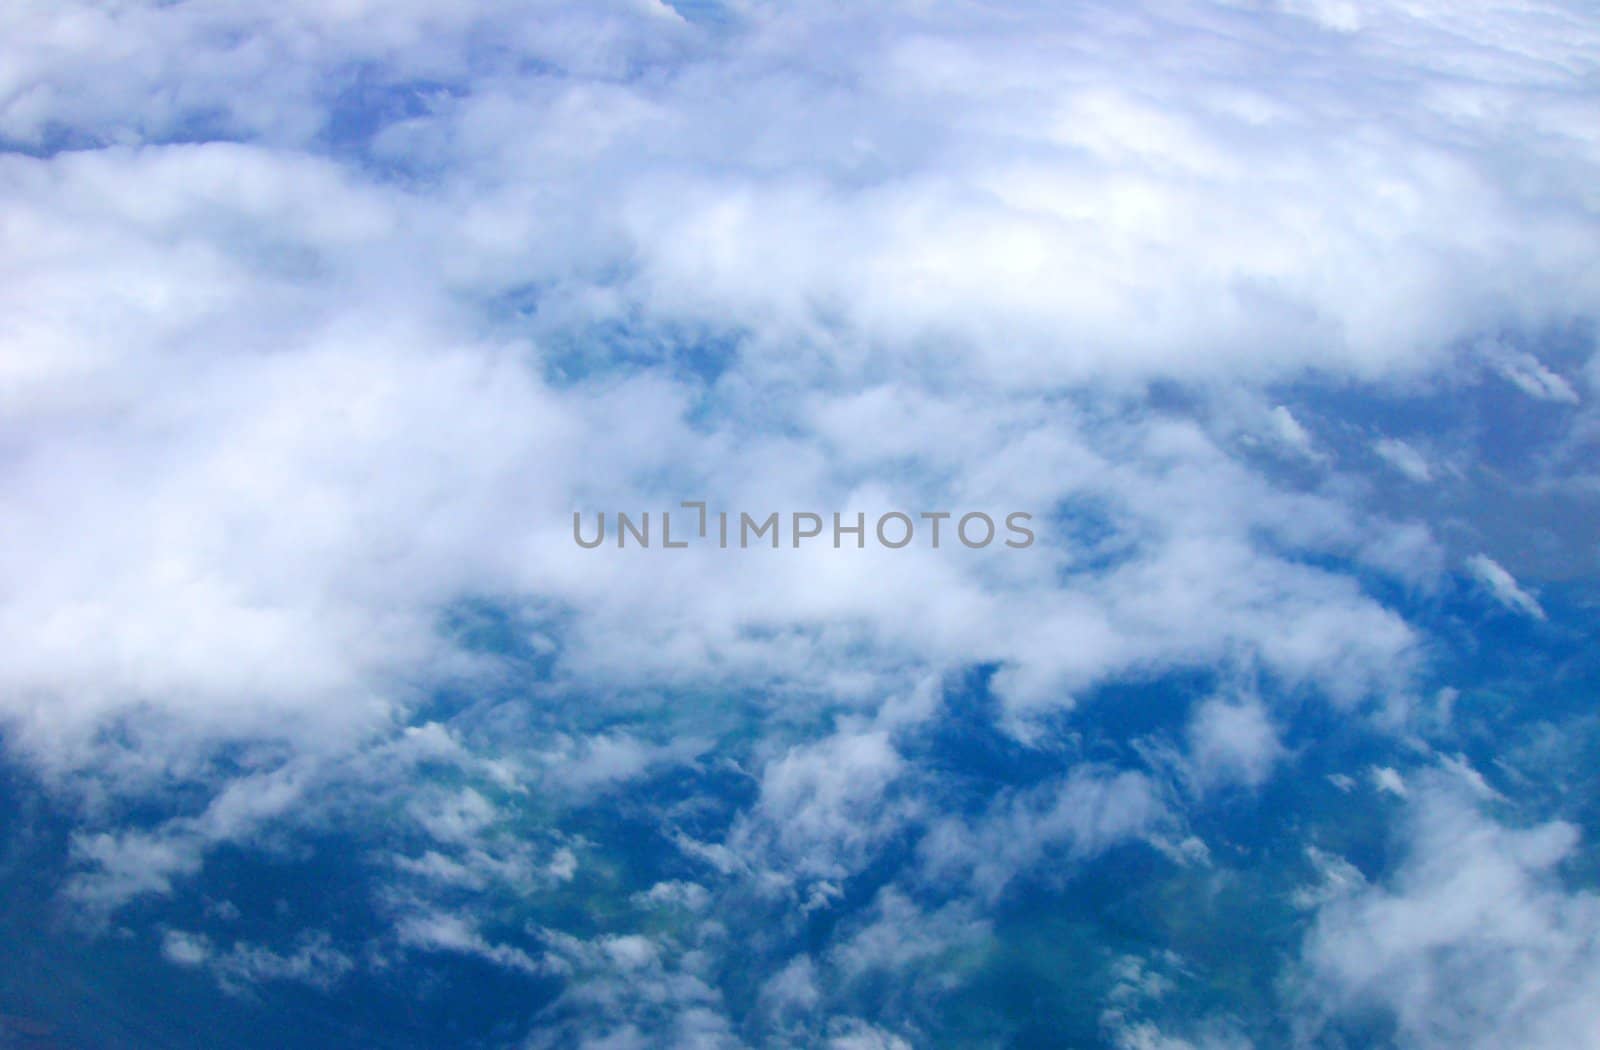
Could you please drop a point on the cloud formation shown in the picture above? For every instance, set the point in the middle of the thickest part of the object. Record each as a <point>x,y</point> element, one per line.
<point>1477,942</point>
<point>318,322</point>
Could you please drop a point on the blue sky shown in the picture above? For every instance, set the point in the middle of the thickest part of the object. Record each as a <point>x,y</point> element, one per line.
<point>318,322</point>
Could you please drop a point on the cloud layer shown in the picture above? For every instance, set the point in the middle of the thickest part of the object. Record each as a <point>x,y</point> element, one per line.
<point>318,322</point>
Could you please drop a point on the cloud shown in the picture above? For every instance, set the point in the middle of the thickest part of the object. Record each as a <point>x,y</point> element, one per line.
<point>632,991</point>
<point>855,1034</point>
<point>1404,458</point>
<point>1085,813</point>
<point>1503,586</point>
<point>1232,741</point>
<point>824,804</point>
<point>1388,779</point>
<point>891,935</point>
<point>1292,434</point>
<point>388,414</point>
<point>317,324</point>
<point>437,931</point>
<point>1145,1036</point>
<point>1530,375</point>
<point>238,970</point>
<point>1476,942</point>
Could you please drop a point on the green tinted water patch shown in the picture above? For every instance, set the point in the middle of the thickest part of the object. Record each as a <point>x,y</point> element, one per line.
<point>116,989</point>
<point>1222,935</point>
<point>1050,976</point>
<point>1042,985</point>
<point>624,845</point>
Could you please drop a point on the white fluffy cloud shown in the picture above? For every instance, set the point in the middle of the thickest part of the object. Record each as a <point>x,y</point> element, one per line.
<point>270,411</point>
<point>1232,741</point>
<point>317,323</point>
<point>1086,813</point>
<point>1476,943</point>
